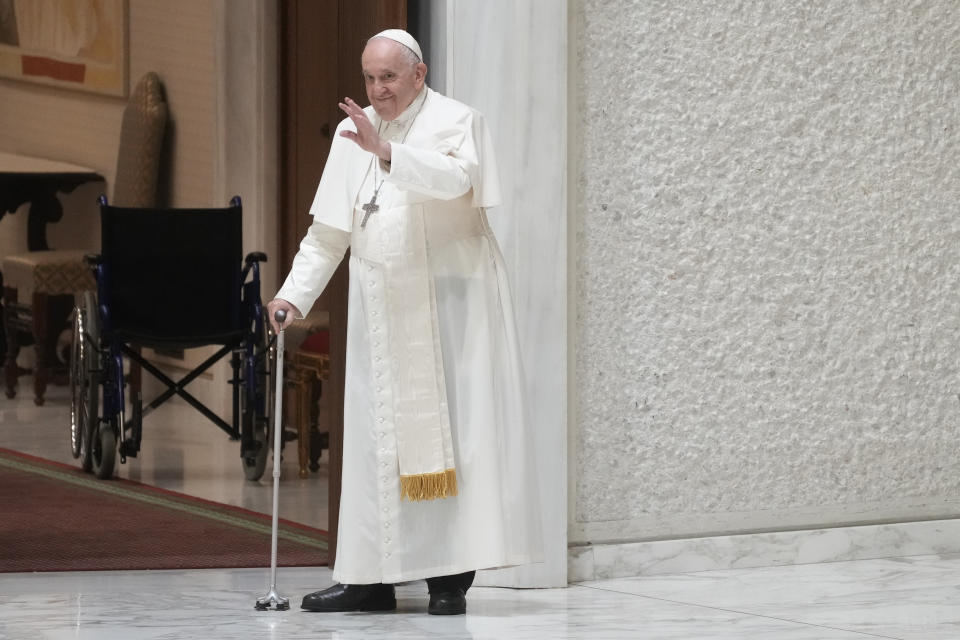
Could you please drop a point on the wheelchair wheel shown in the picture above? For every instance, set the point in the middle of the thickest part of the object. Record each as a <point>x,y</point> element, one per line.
<point>84,380</point>
<point>255,464</point>
<point>258,407</point>
<point>103,450</point>
<point>79,381</point>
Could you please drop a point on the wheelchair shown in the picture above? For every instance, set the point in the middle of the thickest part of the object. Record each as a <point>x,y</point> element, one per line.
<point>169,279</point>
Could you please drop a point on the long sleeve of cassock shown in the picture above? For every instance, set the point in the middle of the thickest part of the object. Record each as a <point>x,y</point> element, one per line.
<point>455,162</point>
<point>431,172</point>
<point>320,253</point>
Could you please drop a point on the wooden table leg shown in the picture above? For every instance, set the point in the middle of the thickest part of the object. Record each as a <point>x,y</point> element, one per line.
<point>11,370</point>
<point>303,429</point>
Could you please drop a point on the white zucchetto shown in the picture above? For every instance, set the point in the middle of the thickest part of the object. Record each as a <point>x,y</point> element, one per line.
<point>404,38</point>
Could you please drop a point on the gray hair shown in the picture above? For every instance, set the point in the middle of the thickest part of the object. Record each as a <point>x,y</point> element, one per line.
<point>409,55</point>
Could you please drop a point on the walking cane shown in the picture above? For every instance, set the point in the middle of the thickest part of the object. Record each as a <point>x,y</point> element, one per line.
<point>273,598</point>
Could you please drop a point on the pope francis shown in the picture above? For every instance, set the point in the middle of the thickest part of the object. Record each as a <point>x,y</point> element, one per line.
<point>438,480</point>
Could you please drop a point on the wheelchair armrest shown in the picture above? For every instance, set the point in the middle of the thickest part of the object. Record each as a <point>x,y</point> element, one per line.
<point>255,256</point>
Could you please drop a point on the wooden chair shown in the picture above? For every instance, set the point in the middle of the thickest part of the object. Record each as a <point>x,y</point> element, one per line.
<point>39,286</point>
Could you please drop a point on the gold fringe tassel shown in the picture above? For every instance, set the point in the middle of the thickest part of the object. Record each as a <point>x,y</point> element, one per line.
<point>428,486</point>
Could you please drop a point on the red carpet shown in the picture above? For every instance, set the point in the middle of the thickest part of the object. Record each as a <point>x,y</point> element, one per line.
<point>56,518</point>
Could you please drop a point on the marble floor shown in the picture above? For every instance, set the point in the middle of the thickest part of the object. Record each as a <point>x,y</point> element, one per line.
<point>913,598</point>
<point>908,598</point>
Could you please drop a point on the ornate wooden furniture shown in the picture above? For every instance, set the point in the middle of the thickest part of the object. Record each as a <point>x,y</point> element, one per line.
<point>306,371</point>
<point>39,286</point>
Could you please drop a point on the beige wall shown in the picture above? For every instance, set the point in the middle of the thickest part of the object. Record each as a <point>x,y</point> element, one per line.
<point>175,38</point>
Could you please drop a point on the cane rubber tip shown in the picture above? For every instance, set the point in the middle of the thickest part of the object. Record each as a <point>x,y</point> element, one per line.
<point>280,315</point>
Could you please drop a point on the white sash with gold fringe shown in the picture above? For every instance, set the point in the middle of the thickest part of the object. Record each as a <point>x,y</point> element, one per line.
<point>421,415</point>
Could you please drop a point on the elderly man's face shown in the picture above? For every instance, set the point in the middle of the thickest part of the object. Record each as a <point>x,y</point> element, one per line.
<point>392,81</point>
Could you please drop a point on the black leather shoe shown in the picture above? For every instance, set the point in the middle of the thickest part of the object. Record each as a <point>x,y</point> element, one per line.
<point>447,603</point>
<point>352,597</point>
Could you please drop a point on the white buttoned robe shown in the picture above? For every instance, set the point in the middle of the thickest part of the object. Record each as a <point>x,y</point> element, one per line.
<point>432,207</point>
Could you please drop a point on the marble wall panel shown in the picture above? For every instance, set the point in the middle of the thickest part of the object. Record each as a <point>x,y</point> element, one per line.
<point>508,60</point>
<point>688,555</point>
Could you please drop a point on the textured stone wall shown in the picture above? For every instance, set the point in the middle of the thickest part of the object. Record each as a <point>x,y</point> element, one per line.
<point>767,227</point>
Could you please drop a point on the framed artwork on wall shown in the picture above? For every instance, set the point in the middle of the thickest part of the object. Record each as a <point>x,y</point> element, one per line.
<point>75,44</point>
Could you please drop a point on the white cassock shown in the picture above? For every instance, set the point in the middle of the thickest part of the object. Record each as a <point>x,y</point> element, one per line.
<point>440,325</point>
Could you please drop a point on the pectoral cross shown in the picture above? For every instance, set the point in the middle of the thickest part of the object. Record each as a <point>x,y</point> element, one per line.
<point>369,208</point>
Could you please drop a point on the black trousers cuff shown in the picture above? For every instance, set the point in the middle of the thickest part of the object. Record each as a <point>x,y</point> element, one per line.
<point>449,584</point>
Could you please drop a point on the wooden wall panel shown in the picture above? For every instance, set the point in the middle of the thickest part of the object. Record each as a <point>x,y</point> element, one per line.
<point>321,45</point>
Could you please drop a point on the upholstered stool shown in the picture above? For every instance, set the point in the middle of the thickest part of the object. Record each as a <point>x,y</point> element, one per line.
<point>39,289</point>
<point>307,366</point>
